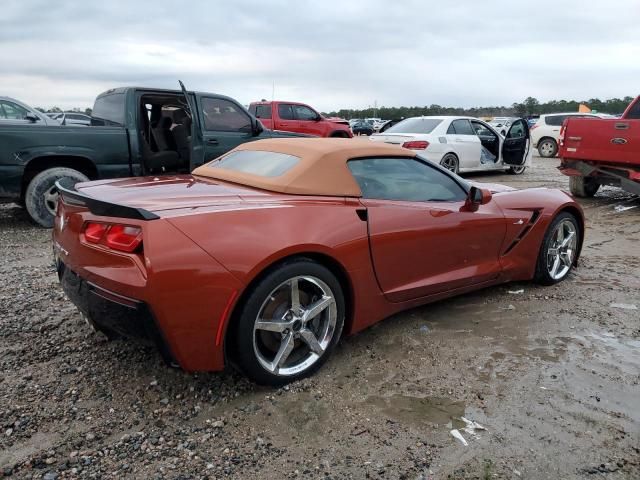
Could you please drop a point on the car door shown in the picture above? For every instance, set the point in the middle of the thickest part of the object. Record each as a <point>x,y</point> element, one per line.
<point>287,120</point>
<point>225,125</point>
<point>423,238</point>
<point>465,142</point>
<point>308,120</point>
<point>516,144</point>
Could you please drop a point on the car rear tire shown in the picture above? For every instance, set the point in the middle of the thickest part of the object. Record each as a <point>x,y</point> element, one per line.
<point>583,186</point>
<point>450,162</point>
<point>41,196</point>
<point>559,249</point>
<point>290,323</point>
<point>547,147</point>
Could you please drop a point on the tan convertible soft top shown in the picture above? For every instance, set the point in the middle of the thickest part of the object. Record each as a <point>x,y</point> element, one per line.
<point>322,169</point>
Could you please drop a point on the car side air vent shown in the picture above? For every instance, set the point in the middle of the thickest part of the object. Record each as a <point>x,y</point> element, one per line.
<point>362,214</point>
<point>534,217</point>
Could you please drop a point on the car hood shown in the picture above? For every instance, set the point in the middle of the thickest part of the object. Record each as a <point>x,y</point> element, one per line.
<point>337,120</point>
<point>493,187</point>
<point>168,192</point>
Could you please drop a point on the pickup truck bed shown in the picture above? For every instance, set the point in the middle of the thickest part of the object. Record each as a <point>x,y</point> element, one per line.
<point>602,151</point>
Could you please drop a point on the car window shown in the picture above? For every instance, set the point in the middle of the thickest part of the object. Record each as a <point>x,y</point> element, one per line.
<point>461,127</point>
<point>223,115</point>
<point>482,130</point>
<point>262,111</point>
<point>108,110</point>
<point>285,112</point>
<point>304,113</point>
<point>415,125</point>
<point>517,130</point>
<point>555,120</point>
<point>404,179</point>
<point>634,112</point>
<point>12,111</point>
<point>256,162</point>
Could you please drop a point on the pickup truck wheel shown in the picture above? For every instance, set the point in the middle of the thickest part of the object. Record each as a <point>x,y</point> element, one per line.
<point>583,186</point>
<point>547,148</point>
<point>41,196</point>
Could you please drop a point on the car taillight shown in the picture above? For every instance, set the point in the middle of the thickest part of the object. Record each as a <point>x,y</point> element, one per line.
<point>125,238</point>
<point>561,136</point>
<point>94,232</point>
<point>416,144</point>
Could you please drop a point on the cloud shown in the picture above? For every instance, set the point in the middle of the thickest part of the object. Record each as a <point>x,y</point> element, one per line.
<point>330,54</point>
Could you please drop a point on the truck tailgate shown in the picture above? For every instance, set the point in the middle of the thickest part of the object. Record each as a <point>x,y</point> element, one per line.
<point>612,141</point>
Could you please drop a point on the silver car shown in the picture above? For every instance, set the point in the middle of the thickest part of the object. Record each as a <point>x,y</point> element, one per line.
<point>14,112</point>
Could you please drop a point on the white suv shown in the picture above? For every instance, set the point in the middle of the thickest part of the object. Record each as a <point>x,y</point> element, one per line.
<point>546,131</point>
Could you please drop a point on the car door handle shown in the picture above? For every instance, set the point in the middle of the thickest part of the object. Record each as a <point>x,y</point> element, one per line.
<point>213,141</point>
<point>284,124</point>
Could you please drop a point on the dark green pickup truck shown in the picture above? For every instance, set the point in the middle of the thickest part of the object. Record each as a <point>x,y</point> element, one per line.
<point>134,131</point>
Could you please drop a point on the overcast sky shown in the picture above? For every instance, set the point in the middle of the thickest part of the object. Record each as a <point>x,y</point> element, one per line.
<point>330,54</point>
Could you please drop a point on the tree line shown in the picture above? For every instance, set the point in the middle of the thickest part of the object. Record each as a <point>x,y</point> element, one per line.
<point>529,107</point>
<point>86,111</point>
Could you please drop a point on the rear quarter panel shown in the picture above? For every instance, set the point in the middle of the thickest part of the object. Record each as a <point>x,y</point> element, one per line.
<point>250,239</point>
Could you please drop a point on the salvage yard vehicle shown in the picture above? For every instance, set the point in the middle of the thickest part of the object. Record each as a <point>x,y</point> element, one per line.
<point>298,117</point>
<point>264,256</point>
<point>362,128</point>
<point>73,118</point>
<point>135,131</point>
<point>14,112</point>
<point>602,151</point>
<point>464,144</point>
<point>545,133</point>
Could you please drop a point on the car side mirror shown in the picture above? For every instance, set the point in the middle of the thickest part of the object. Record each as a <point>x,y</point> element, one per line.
<point>33,118</point>
<point>256,127</point>
<point>477,196</point>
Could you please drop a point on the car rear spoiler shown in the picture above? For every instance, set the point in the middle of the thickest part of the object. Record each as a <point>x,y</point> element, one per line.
<point>99,207</point>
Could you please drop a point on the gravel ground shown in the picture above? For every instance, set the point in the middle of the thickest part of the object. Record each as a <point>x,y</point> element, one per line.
<point>553,374</point>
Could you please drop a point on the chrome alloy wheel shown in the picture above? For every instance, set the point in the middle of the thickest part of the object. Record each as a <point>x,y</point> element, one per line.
<point>450,163</point>
<point>295,325</point>
<point>562,249</point>
<point>51,199</point>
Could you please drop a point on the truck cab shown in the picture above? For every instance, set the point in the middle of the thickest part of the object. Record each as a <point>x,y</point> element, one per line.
<point>298,117</point>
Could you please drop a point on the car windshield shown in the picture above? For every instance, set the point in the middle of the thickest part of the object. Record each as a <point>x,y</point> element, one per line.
<point>415,125</point>
<point>255,162</point>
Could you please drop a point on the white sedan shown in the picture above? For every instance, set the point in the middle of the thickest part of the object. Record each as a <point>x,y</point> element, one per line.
<point>463,144</point>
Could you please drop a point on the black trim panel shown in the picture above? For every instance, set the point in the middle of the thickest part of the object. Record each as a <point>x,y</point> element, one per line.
<point>100,207</point>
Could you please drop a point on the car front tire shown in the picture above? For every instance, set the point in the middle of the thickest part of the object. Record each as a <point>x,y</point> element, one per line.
<point>559,249</point>
<point>290,323</point>
<point>517,169</point>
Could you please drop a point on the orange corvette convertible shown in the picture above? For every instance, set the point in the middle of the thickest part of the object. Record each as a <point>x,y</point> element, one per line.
<point>265,256</point>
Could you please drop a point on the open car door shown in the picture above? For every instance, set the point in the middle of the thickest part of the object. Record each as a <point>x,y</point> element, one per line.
<point>197,152</point>
<point>517,143</point>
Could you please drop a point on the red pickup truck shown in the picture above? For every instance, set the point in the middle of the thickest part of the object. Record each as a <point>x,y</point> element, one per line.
<point>298,117</point>
<point>602,151</point>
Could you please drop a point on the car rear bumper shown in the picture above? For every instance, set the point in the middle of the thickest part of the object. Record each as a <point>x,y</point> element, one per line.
<point>113,314</point>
